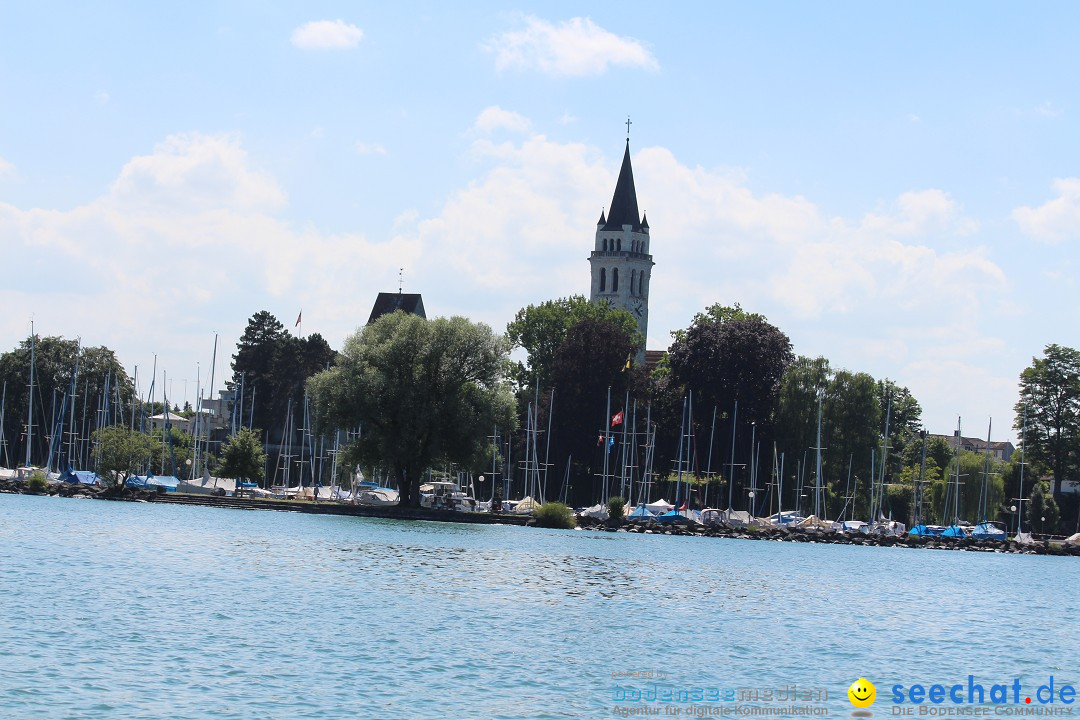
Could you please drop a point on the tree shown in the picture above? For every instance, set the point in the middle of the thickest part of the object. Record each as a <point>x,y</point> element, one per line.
<point>1042,509</point>
<point>728,354</point>
<point>243,456</point>
<point>541,329</point>
<point>904,415</point>
<point>1050,394</point>
<point>589,361</point>
<point>120,452</point>
<point>852,433</point>
<point>971,506</point>
<point>273,366</point>
<point>54,367</point>
<point>421,391</point>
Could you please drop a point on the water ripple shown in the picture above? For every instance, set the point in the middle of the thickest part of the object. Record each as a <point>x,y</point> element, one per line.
<point>120,610</point>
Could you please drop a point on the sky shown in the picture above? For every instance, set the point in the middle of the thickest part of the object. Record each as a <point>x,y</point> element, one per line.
<point>896,186</point>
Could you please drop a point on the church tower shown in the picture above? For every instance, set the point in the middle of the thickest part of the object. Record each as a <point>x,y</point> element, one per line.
<point>620,260</point>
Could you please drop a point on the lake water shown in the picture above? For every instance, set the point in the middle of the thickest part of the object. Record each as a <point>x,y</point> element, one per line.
<point>129,610</point>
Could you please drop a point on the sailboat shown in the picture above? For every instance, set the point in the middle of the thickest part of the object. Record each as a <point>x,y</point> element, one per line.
<point>677,515</point>
<point>955,530</point>
<point>986,530</point>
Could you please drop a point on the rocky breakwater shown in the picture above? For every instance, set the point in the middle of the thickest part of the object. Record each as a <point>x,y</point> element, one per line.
<point>823,536</point>
<point>76,490</point>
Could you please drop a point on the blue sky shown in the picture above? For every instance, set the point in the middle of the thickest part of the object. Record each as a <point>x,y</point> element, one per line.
<point>893,185</point>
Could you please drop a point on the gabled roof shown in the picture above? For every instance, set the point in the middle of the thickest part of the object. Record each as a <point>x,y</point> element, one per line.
<point>391,302</point>
<point>624,208</point>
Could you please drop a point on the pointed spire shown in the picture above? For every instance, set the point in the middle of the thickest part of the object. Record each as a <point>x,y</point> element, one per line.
<point>624,208</point>
<point>602,220</point>
<point>644,221</point>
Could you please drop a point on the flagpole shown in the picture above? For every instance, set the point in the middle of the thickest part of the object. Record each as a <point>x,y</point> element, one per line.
<point>607,448</point>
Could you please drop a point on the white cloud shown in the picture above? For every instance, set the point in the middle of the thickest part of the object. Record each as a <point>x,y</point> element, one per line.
<point>6,168</point>
<point>194,172</point>
<point>494,118</point>
<point>919,213</point>
<point>187,240</point>
<point>326,35</point>
<point>101,97</point>
<point>1055,220</point>
<point>370,148</point>
<point>892,292</point>
<point>575,47</point>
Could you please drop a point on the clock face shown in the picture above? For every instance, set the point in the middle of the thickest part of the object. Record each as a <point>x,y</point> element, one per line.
<point>636,309</point>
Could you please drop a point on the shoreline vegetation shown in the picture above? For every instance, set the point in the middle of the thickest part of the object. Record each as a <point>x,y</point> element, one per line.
<point>805,535</point>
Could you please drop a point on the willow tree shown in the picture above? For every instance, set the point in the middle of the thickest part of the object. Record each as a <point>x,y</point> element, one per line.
<point>421,391</point>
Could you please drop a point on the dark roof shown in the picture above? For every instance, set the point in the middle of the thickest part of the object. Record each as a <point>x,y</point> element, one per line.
<point>644,221</point>
<point>602,220</point>
<point>390,302</point>
<point>624,209</point>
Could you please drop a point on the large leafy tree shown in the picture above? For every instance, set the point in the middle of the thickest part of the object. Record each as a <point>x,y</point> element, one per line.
<point>728,354</point>
<point>120,452</point>
<point>541,329</point>
<point>1050,394</point>
<point>854,416</point>
<point>54,368</point>
<point>976,477</point>
<point>1042,510</point>
<point>421,391</point>
<point>273,367</point>
<point>590,360</point>
<point>850,421</point>
<point>243,456</point>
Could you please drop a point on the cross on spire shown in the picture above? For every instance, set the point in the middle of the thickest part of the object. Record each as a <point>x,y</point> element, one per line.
<point>400,279</point>
<point>628,124</point>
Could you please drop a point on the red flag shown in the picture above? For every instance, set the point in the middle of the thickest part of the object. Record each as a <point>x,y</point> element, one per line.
<point>300,315</point>
<point>599,440</point>
<point>616,419</point>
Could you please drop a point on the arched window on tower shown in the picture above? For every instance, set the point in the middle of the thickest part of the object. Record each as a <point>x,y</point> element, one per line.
<point>614,279</point>
<point>619,244</point>
<point>603,279</point>
<point>641,280</point>
<point>632,273</point>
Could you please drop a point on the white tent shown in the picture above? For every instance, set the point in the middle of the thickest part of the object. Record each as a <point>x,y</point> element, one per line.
<point>659,507</point>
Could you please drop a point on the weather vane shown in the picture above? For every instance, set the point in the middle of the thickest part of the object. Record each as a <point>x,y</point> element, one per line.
<point>400,279</point>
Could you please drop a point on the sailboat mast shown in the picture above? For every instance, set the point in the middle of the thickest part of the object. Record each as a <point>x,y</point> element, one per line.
<point>679,463</point>
<point>731,472</point>
<point>708,463</point>
<point>3,439</point>
<point>607,441</point>
<point>1020,492</point>
<point>547,440</point>
<point>30,401</point>
<point>984,497</point>
<point>956,495</point>
<point>817,470</point>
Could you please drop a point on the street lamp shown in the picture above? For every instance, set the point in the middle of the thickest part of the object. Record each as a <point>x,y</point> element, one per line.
<point>1012,509</point>
<point>751,503</point>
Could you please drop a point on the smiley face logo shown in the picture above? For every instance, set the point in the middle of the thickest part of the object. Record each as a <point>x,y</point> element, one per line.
<point>862,693</point>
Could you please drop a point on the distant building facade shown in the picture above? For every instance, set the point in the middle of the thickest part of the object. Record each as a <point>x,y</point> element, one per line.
<point>998,450</point>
